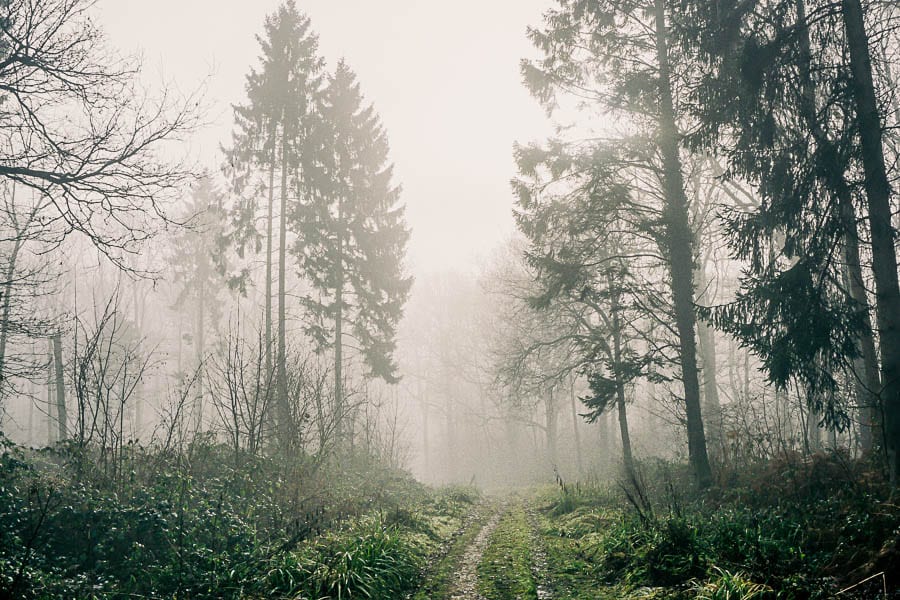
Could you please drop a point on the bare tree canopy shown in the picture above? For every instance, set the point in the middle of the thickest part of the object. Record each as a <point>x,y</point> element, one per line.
<point>76,127</point>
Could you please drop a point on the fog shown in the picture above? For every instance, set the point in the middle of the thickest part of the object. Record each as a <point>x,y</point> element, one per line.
<point>472,300</point>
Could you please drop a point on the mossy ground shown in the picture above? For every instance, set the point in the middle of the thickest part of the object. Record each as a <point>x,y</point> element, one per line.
<point>505,572</point>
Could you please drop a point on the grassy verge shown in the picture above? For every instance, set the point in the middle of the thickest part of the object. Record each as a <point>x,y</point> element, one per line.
<point>201,527</point>
<point>795,531</point>
<point>505,569</point>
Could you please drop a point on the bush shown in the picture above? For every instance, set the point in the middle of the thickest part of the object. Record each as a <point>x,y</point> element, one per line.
<point>731,586</point>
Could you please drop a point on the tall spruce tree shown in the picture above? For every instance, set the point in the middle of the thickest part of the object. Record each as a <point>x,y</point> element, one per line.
<point>783,100</point>
<point>352,235</point>
<point>618,54</point>
<point>273,134</point>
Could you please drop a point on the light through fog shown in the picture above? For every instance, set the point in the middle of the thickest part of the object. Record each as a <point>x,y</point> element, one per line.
<point>444,77</point>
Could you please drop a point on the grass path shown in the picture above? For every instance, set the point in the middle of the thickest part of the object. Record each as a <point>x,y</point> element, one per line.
<point>454,576</point>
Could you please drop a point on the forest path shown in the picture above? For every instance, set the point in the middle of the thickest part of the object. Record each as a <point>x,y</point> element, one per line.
<point>465,583</point>
<point>455,575</point>
<point>498,555</point>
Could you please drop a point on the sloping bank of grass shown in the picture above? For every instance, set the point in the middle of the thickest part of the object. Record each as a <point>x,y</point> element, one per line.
<point>378,557</point>
<point>200,526</point>
<point>793,531</point>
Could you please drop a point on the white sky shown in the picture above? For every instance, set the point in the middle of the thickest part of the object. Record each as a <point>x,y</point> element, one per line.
<point>443,75</point>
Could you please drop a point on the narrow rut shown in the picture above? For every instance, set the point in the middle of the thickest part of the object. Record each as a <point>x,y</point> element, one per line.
<point>538,556</point>
<point>465,584</point>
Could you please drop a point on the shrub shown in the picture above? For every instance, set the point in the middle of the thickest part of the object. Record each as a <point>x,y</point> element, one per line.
<point>726,585</point>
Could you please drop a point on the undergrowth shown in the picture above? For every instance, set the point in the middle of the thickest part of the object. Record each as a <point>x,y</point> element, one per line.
<point>200,526</point>
<point>795,529</point>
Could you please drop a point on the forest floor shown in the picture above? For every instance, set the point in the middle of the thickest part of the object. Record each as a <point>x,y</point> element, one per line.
<point>508,550</point>
<point>588,544</point>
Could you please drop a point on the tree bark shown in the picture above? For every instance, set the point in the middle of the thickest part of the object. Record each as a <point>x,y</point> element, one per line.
<point>867,382</point>
<point>712,406</point>
<point>551,414</point>
<point>284,409</point>
<point>679,242</point>
<point>576,432</point>
<point>884,257</point>
<point>62,414</point>
<point>200,343</point>
<point>268,316</point>
<point>339,322</point>
<point>51,431</point>
<point>7,294</point>
<point>627,457</point>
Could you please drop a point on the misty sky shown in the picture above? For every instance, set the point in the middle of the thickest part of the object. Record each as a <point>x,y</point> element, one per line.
<point>443,75</point>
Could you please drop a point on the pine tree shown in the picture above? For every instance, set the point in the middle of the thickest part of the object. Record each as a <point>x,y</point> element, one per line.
<point>588,245</point>
<point>781,101</point>
<point>352,235</point>
<point>618,54</point>
<point>273,131</point>
<point>201,269</point>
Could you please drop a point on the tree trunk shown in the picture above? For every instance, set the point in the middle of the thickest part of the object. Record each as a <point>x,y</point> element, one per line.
<point>576,431</point>
<point>867,381</point>
<point>884,257</point>
<point>679,241</point>
<point>551,414</point>
<point>284,409</point>
<point>7,294</point>
<point>339,322</point>
<point>62,414</point>
<point>52,431</point>
<point>200,343</point>
<point>269,420</point>
<point>627,459</point>
<point>712,406</point>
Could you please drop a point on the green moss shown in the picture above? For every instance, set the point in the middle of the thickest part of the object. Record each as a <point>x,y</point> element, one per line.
<point>505,569</point>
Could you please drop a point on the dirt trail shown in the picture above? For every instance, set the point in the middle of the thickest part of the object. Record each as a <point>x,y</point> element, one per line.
<point>465,584</point>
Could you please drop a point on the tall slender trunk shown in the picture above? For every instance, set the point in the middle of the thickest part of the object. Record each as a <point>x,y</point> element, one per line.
<point>62,414</point>
<point>269,417</point>
<point>551,429</point>
<point>426,454</point>
<point>712,406</point>
<point>867,381</point>
<point>680,255</point>
<point>339,321</point>
<point>200,343</point>
<point>576,431</point>
<point>7,294</point>
<point>884,257</point>
<point>284,409</point>
<point>140,397</point>
<point>627,457</point>
<point>51,378</point>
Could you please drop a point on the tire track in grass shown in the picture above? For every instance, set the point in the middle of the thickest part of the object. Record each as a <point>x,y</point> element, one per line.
<point>455,576</point>
<point>506,571</point>
<point>465,586</point>
<point>539,569</point>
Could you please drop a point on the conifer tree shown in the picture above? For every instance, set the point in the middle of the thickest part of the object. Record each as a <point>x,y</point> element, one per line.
<point>789,102</point>
<point>352,235</point>
<point>201,268</point>
<point>618,54</point>
<point>273,132</point>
